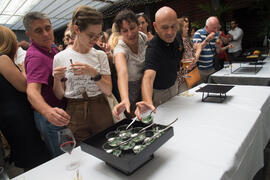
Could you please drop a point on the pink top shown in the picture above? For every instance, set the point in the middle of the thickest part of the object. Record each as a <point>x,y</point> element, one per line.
<point>38,66</point>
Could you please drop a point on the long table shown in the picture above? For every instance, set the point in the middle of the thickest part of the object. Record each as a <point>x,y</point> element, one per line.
<point>261,78</point>
<point>212,141</point>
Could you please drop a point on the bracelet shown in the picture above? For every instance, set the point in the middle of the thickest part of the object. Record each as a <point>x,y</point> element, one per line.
<point>206,40</point>
<point>97,77</point>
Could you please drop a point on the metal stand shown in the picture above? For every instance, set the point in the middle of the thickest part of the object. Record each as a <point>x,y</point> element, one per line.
<point>215,97</point>
<point>254,69</point>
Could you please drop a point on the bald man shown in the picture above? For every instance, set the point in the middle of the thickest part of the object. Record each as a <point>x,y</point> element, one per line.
<point>207,36</point>
<point>162,59</point>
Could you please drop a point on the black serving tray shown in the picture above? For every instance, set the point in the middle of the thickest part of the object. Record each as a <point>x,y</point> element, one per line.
<point>128,162</point>
<point>214,93</point>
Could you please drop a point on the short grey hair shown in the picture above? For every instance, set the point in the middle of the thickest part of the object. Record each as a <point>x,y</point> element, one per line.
<point>207,22</point>
<point>210,20</point>
<point>31,16</point>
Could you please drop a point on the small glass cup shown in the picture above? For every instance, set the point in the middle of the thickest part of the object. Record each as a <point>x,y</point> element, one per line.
<point>149,137</point>
<point>111,150</point>
<point>139,138</point>
<point>227,68</point>
<point>137,135</point>
<point>147,119</point>
<point>111,135</point>
<point>138,148</point>
<point>127,146</point>
<point>123,132</point>
<point>135,130</point>
<point>113,139</point>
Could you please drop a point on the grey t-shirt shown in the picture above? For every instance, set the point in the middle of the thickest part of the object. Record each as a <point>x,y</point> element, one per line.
<point>135,62</point>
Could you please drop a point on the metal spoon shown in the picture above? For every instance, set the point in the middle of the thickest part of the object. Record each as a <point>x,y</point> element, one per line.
<point>134,119</point>
<point>148,139</point>
<point>143,129</point>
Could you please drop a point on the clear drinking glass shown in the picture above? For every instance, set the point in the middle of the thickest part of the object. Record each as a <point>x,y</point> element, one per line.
<point>227,68</point>
<point>67,143</point>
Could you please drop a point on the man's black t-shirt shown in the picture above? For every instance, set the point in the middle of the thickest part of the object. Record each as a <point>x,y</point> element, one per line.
<point>163,58</point>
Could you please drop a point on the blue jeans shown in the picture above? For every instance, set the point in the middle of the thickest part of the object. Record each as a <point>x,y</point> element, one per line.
<point>49,133</point>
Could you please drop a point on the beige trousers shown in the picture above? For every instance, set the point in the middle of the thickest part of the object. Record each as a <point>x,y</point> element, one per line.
<point>88,116</point>
<point>160,96</point>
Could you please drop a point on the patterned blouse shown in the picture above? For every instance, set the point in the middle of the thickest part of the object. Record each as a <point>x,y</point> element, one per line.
<point>189,53</point>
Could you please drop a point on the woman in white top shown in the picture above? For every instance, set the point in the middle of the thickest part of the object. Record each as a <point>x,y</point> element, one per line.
<point>129,56</point>
<point>82,75</point>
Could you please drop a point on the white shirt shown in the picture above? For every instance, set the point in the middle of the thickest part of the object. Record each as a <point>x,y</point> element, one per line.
<point>20,56</point>
<point>75,85</point>
<point>135,62</point>
<point>237,34</point>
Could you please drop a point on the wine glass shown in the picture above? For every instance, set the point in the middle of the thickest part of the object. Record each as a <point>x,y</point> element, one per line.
<point>186,73</point>
<point>67,143</point>
<point>186,62</point>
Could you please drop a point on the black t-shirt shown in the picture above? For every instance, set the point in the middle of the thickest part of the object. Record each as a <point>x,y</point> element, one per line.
<point>97,47</point>
<point>163,58</point>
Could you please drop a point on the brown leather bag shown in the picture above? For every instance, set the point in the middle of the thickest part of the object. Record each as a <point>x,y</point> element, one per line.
<point>194,77</point>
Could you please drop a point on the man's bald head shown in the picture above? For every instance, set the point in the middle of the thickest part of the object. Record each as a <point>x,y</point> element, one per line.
<point>212,24</point>
<point>165,12</point>
<point>166,24</point>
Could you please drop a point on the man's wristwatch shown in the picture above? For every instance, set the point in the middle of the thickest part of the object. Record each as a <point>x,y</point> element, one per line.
<point>96,78</point>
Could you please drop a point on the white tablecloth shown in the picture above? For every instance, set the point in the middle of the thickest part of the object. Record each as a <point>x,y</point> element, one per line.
<point>212,141</point>
<point>261,78</point>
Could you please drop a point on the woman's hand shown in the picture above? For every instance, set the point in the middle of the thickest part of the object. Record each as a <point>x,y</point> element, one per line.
<point>120,108</point>
<point>143,107</point>
<point>83,69</point>
<point>59,72</point>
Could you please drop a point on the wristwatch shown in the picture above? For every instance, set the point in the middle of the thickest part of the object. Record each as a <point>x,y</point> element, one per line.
<point>96,78</point>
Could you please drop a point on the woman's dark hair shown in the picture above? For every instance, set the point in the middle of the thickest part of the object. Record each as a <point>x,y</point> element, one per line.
<point>85,15</point>
<point>126,15</point>
<point>181,22</point>
<point>149,29</point>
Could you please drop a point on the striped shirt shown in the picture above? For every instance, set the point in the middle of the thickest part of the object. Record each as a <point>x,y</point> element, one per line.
<point>206,59</point>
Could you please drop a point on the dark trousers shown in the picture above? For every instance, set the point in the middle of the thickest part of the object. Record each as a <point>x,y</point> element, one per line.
<point>234,56</point>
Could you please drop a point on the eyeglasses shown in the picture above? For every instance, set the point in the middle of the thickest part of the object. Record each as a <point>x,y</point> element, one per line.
<point>95,37</point>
